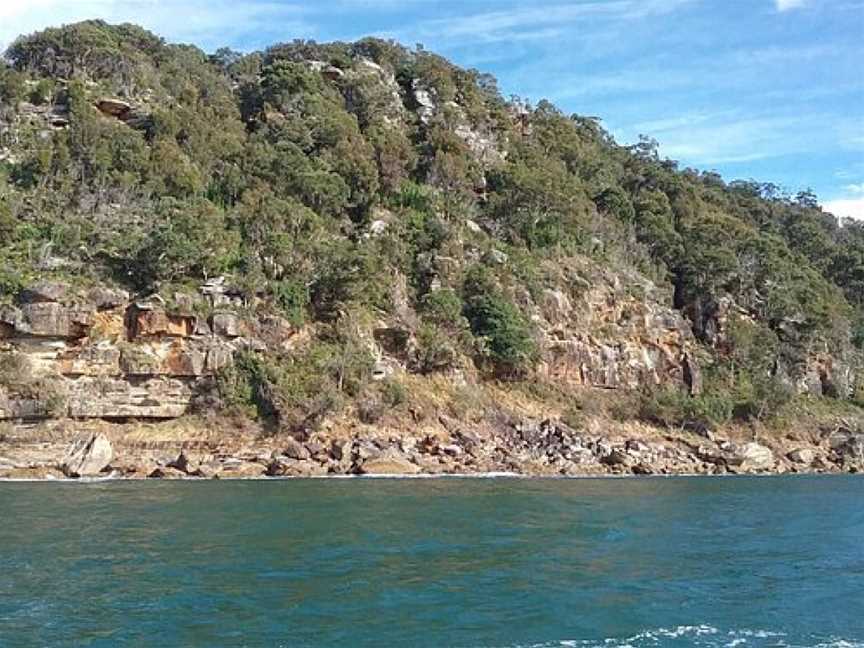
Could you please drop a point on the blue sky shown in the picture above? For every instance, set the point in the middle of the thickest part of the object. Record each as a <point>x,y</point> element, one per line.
<point>765,89</point>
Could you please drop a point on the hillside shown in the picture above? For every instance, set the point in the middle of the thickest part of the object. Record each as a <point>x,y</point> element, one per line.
<point>356,257</point>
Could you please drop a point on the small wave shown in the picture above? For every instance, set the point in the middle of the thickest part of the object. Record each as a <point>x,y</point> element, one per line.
<point>703,635</point>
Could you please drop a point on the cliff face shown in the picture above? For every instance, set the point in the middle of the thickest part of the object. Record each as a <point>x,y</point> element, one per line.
<point>98,354</point>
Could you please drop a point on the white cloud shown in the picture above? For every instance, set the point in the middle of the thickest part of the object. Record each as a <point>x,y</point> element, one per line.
<point>537,23</point>
<point>855,188</point>
<point>786,5</point>
<point>207,23</point>
<point>846,207</point>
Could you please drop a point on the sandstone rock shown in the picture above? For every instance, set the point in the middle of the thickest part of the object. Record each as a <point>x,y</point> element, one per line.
<point>89,455</point>
<point>134,397</point>
<point>46,291</point>
<point>50,319</point>
<point>389,465</point>
<point>451,449</point>
<point>225,325</point>
<point>150,321</point>
<point>101,359</point>
<point>615,458</point>
<point>425,98</point>
<point>113,107</point>
<point>847,445</point>
<point>184,361</point>
<point>294,449</point>
<point>242,469</point>
<point>753,457</point>
<point>288,467</point>
<point>167,472</point>
<point>802,456</point>
<point>181,462</point>
<point>107,298</point>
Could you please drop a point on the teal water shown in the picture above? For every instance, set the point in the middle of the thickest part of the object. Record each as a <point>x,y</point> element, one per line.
<point>445,562</point>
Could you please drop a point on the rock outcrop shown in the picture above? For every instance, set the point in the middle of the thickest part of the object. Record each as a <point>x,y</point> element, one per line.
<point>88,456</point>
<point>96,354</point>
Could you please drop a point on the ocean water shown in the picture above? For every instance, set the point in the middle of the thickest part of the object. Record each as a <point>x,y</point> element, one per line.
<point>435,562</point>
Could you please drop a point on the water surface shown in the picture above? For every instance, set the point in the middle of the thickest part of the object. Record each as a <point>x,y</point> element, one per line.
<point>445,562</point>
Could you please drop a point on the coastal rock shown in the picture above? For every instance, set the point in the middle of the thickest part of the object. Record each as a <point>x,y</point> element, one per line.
<point>242,469</point>
<point>753,457</point>
<point>166,472</point>
<point>88,456</point>
<point>389,465</point>
<point>802,456</point>
<point>295,450</point>
<point>288,467</point>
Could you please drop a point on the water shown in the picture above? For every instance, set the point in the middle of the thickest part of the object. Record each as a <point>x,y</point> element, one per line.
<point>448,562</point>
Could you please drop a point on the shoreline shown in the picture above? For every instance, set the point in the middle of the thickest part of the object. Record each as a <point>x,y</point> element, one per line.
<point>424,477</point>
<point>524,449</point>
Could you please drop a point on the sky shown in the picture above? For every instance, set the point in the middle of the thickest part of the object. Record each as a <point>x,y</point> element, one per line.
<point>764,89</point>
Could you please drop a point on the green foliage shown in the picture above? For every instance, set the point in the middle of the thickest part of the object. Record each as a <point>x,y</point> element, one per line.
<point>292,297</point>
<point>505,333</point>
<point>188,241</point>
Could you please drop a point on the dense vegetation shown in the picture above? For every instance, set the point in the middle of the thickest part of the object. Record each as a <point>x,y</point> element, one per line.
<point>326,190</point>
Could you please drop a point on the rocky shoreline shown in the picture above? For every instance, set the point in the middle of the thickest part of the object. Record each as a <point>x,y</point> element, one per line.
<point>544,448</point>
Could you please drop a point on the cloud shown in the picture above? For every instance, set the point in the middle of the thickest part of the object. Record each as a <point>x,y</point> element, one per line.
<point>206,23</point>
<point>533,23</point>
<point>846,207</point>
<point>786,5</point>
<point>855,188</point>
<point>731,136</point>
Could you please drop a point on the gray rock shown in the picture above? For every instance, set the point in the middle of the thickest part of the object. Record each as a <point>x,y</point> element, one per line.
<point>89,455</point>
<point>225,325</point>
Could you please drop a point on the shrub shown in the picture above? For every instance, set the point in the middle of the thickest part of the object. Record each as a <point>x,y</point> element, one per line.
<point>673,407</point>
<point>504,332</point>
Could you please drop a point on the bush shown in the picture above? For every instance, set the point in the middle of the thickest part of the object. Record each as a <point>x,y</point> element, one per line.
<point>673,407</point>
<point>503,331</point>
<point>292,298</point>
<point>436,349</point>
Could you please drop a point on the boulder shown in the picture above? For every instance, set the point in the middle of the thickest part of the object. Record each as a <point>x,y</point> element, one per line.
<point>802,456</point>
<point>753,456</point>
<point>45,291</point>
<point>615,458</point>
<point>113,107</point>
<point>294,449</point>
<point>89,455</point>
<point>389,465</point>
<point>181,462</point>
<point>225,325</point>
<point>242,469</point>
<point>166,472</point>
<point>107,298</point>
<point>287,467</point>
